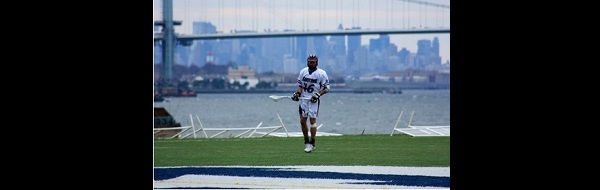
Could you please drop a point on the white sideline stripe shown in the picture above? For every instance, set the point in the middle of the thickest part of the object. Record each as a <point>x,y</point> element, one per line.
<point>203,181</point>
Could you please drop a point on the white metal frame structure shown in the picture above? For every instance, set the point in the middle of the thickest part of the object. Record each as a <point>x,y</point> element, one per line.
<point>185,128</point>
<point>421,131</point>
<point>258,131</point>
<point>299,134</point>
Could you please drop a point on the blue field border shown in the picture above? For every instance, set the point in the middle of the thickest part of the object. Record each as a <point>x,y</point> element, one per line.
<point>381,179</point>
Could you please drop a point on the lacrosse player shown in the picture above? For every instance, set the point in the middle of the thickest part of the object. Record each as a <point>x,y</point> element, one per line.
<point>312,84</point>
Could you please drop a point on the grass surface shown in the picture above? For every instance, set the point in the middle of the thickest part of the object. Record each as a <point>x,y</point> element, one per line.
<point>348,150</point>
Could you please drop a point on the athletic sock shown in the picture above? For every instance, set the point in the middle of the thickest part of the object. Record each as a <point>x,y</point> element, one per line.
<point>305,140</point>
<point>312,141</point>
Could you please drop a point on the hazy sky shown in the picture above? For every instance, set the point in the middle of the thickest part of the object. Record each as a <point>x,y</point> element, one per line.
<point>259,15</point>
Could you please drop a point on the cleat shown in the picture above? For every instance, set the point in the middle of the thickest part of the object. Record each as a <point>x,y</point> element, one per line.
<point>308,148</point>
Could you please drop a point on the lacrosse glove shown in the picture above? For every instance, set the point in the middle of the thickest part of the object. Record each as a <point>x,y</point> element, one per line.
<point>296,96</point>
<point>315,97</point>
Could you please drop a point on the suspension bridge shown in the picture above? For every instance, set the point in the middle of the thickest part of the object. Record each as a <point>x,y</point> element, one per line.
<point>282,18</point>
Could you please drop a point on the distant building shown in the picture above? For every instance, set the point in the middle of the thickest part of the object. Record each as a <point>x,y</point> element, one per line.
<point>211,70</point>
<point>242,74</point>
<point>290,65</point>
<point>353,45</point>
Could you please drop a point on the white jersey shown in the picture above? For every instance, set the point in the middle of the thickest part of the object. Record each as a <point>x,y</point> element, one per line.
<point>312,83</point>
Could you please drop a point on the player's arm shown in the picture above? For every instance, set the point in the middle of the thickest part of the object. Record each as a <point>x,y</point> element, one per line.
<point>325,85</point>
<point>324,91</point>
<point>296,95</point>
<point>300,83</point>
<point>299,90</point>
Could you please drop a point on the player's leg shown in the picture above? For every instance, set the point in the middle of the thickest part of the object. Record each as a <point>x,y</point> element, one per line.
<point>303,120</point>
<point>313,132</point>
<point>304,128</point>
<point>308,146</point>
<point>312,114</point>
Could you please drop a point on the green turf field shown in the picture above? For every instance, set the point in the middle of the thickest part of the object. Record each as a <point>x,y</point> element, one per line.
<point>348,150</point>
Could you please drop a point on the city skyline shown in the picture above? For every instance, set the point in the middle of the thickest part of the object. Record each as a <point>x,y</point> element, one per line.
<point>229,15</point>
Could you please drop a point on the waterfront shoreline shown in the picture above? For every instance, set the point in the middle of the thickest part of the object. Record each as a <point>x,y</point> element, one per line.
<point>333,90</point>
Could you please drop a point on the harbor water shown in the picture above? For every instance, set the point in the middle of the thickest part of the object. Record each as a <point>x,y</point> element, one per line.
<point>343,113</point>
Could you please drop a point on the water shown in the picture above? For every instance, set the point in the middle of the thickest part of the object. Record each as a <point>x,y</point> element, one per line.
<point>345,113</point>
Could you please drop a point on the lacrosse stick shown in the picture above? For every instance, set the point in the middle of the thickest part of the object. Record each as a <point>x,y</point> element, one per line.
<point>276,98</point>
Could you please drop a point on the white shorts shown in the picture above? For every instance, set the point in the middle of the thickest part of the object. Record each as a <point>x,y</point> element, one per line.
<point>308,109</point>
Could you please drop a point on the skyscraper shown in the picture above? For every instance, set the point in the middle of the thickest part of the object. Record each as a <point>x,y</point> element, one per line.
<point>353,45</point>
<point>201,47</point>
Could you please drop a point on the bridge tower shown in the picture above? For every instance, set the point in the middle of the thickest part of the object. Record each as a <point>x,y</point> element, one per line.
<point>169,41</point>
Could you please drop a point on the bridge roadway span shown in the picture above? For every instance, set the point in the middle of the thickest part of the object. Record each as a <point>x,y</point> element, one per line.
<point>159,36</point>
